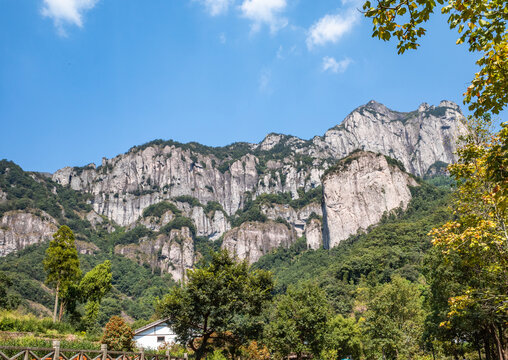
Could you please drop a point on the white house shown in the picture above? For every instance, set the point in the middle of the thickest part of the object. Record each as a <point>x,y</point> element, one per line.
<point>153,335</point>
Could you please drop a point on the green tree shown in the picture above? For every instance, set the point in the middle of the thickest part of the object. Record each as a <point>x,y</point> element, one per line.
<point>298,324</point>
<point>445,280</point>
<point>61,264</point>
<point>7,299</point>
<point>475,243</point>
<point>110,307</point>
<point>394,319</point>
<point>93,287</point>
<point>481,23</point>
<point>118,335</point>
<point>216,304</point>
<point>343,337</point>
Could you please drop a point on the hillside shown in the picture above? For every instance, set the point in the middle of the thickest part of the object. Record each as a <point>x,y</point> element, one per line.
<point>160,208</point>
<point>396,246</point>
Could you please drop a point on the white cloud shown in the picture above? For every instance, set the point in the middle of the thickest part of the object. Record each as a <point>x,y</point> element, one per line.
<point>280,53</point>
<point>331,28</point>
<point>264,81</point>
<point>329,63</point>
<point>67,11</point>
<point>265,12</point>
<point>216,7</point>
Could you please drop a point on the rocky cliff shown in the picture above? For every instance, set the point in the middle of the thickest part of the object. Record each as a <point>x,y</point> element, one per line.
<point>358,191</point>
<point>171,253</point>
<point>252,239</point>
<point>419,139</point>
<point>256,197</point>
<point>19,229</point>
<point>314,234</point>
<point>162,170</point>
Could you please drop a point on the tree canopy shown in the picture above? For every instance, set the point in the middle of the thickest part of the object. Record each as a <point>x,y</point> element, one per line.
<point>62,264</point>
<point>299,321</point>
<point>475,243</point>
<point>217,304</point>
<point>394,319</point>
<point>93,287</point>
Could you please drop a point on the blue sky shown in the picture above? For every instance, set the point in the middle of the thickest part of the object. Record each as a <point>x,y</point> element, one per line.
<point>83,79</point>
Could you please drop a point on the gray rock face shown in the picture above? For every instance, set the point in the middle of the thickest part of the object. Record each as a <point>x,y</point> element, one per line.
<point>211,225</point>
<point>154,223</point>
<point>173,253</point>
<point>94,219</point>
<point>297,218</point>
<point>358,192</point>
<point>3,196</point>
<point>418,139</point>
<point>86,248</point>
<point>125,185</point>
<point>19,229</point>
<point>122,187</point>
<point>314,235</point>
<point>252,239</point>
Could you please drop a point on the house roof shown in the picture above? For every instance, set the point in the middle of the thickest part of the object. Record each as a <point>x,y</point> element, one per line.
<point>148,326</point>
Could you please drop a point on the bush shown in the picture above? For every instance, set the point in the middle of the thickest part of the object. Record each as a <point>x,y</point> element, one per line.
<point>178,223</point>
<point>159,209</point>
<point>118,335</point>
<point>216,355</point>
<point>192,201</point>
<point>213,206</point>
<point>132,236</point>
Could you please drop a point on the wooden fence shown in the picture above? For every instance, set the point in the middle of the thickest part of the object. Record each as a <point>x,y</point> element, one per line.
<point>56,353</point>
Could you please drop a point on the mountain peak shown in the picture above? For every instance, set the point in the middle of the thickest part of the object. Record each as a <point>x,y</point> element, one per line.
<point>378,107</point>
<point>450,104</point>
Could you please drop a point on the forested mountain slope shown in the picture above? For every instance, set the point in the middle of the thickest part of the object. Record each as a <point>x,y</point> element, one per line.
<point>396,246</point>
<point>159,209</point>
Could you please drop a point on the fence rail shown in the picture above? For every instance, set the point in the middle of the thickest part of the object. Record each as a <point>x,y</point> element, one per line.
<point>56,353</point>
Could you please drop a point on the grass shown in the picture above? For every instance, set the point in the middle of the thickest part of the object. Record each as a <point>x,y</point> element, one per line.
<point>31,341</point>
<point>18,322</point>
<point>21,330</point>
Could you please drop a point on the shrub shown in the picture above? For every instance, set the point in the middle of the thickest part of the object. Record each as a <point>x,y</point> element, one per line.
<point>178,223</point>
<point>159,209</point>
<point>192,201</point>
<point>213,206</point>
<point>216,355</point>
<point>118,335</point>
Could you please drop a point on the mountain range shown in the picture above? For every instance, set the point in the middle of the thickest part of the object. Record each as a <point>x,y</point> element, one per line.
<point>164,205</point>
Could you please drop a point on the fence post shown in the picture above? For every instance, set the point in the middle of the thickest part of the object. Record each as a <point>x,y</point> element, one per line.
<point>185,356</point>
<point>142,355</point>
<point>167,355</point>
<point>56,347</point>
<point>104,349</point>
<point>26,354</point>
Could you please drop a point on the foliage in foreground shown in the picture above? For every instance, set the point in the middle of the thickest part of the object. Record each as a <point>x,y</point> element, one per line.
<point>474,245</point>
<point>218,304</point>
<point>62,266</point>
<point>299,322</point>
<point>118,335</point>
<point>480,23</point>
